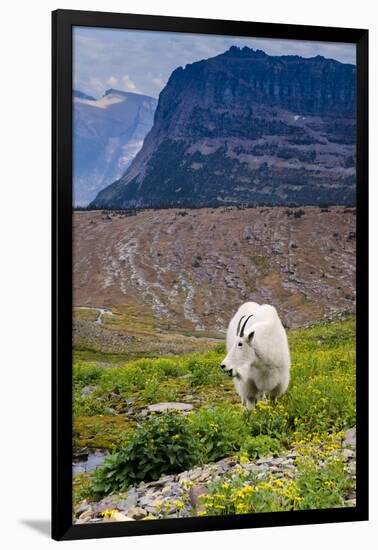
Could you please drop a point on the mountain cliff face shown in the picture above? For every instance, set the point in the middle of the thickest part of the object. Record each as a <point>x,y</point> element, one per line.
<point>246,127</point>
<point>108,132</point>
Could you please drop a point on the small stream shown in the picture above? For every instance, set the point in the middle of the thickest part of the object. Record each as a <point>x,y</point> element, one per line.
<point>88,464</point>
<point>101,311</point>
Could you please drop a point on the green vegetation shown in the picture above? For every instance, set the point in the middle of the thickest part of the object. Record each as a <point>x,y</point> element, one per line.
<point>312,488</point>
<point>146,337</point>
<point>311,417</point>
<point>162,444</point>
<point>261,445</point>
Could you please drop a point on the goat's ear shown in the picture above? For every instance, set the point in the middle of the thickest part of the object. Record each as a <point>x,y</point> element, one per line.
<point>250,337</point>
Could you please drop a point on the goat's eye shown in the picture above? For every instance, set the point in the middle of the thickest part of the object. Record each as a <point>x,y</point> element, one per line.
<point>240,344</point>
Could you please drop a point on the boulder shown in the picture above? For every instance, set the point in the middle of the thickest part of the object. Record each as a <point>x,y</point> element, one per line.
<point>117,516</point>
<point>194,495</point>
<point>137,513</point>
<point>163,407</point>
<point>86,515</point>
<point>350,438</point>
<point>87,390</point>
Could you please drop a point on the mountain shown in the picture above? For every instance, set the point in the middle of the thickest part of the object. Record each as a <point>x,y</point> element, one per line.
<point>107,134</point>
<point>81,95</point>
<point>246,127</point>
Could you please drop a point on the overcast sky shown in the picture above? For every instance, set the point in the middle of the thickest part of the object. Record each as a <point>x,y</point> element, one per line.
<point>142,61</point>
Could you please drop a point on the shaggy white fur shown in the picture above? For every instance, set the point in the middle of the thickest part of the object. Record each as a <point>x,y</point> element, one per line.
<point>258,356</point>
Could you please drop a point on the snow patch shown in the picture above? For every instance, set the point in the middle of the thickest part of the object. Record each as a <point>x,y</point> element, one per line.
<point>103,102</point>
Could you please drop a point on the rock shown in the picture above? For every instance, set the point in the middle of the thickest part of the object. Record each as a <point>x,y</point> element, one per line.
<point>226,462</point>
<point>130,501</point>
<point>130,400</point>
<point>80,454</point>
<point>87,390</point>
<point>264,460</point>
<point>351,468</point>
<point>86,515</point>
<point>195,492</point>
<point>348,454</point>
<point>84,507</point>
<point>251,467</point>
<point>137,513</point>
<point>106,503</point>
<point>205,475</point>
<point>162,407</point>
<point>160,482</point>
<point>350,438</point>
<point>113,395</point>
<point>146,500</point>
<point>151,510</point>
<point>117,516</point>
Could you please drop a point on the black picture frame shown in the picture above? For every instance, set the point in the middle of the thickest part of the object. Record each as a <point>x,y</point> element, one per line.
<point>62,23</point>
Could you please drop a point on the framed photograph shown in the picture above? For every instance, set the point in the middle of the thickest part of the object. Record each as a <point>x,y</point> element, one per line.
<point>210,302</point>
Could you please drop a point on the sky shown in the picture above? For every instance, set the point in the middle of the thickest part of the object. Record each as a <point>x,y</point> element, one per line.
<point>142,61</point>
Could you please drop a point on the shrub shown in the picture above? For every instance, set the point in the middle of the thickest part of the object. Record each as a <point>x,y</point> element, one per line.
<point>154,391</point>
<point>261,445</point>
<point>268,419</point>
<point>322,394</point>
<point>123,380</point>
<point>244,493</point>
<point>163,367</point>
<point>220,349</point>
<point>90,405</point>
<point>81,488</point>
<point>86,374</point>
<point>162,444</point>
<point>219,430</point>
<point>206,369</point>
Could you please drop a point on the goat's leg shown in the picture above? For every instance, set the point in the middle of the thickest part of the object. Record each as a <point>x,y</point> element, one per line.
<point>275,393</point>
<point>250,403</point>
<point>252,395</point>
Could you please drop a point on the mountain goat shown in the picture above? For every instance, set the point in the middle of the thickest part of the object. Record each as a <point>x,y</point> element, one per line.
<point>258,357</point>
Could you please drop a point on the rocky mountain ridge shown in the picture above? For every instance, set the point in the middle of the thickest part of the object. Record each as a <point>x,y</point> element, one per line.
<point>247,128</point>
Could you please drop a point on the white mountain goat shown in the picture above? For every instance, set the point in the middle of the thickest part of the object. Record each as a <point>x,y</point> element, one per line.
<point>258,357</point>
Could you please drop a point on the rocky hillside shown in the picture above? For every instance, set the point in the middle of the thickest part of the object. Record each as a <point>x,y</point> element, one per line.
<point>246,127</point>
<point>188,270</point>
<point>107,134</point>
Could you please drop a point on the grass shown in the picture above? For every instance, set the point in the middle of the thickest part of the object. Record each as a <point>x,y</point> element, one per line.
<point>311,416</point>
<point>146,336</point>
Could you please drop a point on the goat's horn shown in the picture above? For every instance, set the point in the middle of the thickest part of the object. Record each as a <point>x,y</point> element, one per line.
<point>239,323</point>
<point>244,324</point>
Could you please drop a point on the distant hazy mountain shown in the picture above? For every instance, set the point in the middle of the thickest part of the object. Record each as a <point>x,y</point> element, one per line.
<point>246,127</point>
<point>81,95</point>
<point>108,132</point>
